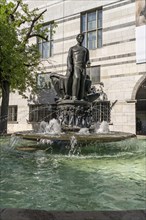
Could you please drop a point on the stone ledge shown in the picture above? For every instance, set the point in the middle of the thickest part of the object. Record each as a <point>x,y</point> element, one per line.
<point>131,101</point>
<point>28,214</point>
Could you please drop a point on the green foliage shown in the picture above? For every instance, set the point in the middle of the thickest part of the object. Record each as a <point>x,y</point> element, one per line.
<point>19,59</point>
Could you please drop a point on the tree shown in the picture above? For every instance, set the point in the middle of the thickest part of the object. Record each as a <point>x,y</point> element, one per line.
<point>19,60</point>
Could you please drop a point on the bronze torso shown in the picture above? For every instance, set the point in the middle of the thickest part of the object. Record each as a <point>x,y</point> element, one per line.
<point>79,56</point>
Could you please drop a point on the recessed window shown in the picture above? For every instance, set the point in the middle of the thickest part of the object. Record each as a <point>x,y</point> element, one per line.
<point>46,47</point>
<point>44,81</point>
<point>12,113</point>
<point>94,73</point>
<point>91,26</point>
<point>38,113</point>
<point>101,111</point>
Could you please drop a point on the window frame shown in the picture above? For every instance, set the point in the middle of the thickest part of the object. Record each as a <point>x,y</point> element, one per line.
<point>12,116</point>
<point>89,69</point>
<point>43,42</point>
<point>97,29</point>
<point>101,111</point>
<point>12,113</point>
<point>45,77</point>
<point>42,112</point>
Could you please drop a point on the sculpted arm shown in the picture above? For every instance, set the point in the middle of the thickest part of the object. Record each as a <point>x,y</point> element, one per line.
<point>87,58</point>
<point>70,60</point>
<point>54,75</point>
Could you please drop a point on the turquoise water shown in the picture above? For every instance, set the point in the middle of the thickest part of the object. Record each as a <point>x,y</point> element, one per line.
<point>103,177</point>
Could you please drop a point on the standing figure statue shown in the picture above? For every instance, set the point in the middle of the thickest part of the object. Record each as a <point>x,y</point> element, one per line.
<point>78,58</point>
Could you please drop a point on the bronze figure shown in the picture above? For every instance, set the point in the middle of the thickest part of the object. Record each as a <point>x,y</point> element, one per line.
<point>78,58</point>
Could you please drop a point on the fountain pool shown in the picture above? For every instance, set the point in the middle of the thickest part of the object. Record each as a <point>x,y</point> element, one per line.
<point>103,176</point>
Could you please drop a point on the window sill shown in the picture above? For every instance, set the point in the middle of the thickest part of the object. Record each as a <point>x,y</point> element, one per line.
<point>96,48</point>
<point>45,59</point>
<point>12,122</point>
<point>32,122</point>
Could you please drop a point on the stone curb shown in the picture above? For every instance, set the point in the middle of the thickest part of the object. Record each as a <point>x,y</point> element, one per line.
<point>27,214</point>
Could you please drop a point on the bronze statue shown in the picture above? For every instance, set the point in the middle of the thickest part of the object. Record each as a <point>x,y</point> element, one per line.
<point>62,88</point>
<point>59,83</point>
<point>78,58</point>
<point>76,84</point>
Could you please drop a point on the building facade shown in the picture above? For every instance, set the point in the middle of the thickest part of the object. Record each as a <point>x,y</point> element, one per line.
<point>117,56</point>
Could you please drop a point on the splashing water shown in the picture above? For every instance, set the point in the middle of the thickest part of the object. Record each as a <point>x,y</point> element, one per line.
<point>45,141</point>
<point>53,127</point>
<point>84,131</point>
<point>104,128</point>
<point>43,126</point>
<point>97,125</point>
<point>73,146</point>
<point>13,141</point>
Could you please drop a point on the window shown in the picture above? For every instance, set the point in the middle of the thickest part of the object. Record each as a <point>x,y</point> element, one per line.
<point>44,81</point>
<point>101,111</point>
<point>46,47</point>
<point>91,26</point>
<point>94,73</point>
<point>38,113</point>
<point>12,113</point>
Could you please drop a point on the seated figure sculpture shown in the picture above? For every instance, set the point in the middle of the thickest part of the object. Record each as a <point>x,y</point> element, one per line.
<point>59,83</point>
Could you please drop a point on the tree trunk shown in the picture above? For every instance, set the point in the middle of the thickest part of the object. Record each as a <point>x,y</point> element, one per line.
<point>4,106</point>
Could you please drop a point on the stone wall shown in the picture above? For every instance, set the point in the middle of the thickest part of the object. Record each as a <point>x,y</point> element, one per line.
<point>117,57</point>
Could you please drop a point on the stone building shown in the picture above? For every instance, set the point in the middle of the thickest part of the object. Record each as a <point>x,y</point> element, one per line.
<point>116,41</point>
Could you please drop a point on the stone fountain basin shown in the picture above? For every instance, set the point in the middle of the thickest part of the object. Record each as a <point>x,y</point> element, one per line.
<point>81,138</point>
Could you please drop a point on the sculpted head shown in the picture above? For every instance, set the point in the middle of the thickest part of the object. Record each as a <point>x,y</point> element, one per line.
<point>80,38</point>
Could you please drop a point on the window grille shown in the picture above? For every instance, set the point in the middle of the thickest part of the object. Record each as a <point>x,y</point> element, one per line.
<point>38,113</point>
<point>101,111</point>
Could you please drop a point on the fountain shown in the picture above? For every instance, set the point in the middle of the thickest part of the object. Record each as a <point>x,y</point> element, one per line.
<point>101,177</point>
<point>92,175</point>
<point>80,108</point>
